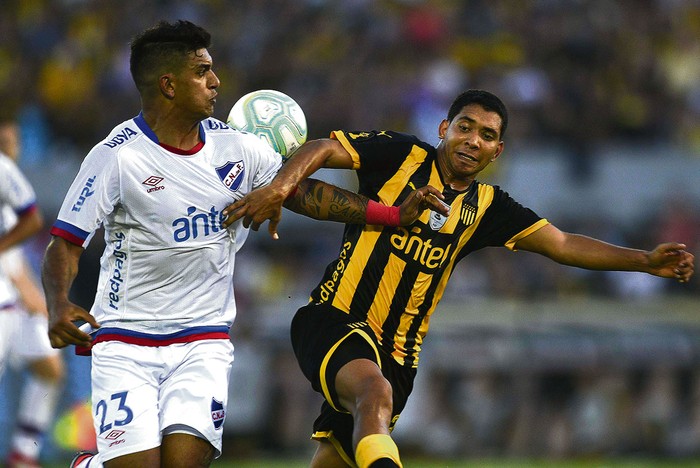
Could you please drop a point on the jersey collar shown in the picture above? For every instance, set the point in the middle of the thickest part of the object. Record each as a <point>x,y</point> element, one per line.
<point>143,126</point>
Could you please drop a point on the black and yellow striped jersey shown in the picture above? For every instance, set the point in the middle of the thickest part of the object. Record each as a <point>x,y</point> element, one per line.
<point>394,277</point>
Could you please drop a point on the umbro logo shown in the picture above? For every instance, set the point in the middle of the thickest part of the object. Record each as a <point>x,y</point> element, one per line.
<point>153,182</point>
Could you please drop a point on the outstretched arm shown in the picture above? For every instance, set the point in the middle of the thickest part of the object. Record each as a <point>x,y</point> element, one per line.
<point>668,260</point>
<point>266,203</point>
<point>319,200</point>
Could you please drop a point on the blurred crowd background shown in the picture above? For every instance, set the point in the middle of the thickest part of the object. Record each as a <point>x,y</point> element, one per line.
<point>524,358</point>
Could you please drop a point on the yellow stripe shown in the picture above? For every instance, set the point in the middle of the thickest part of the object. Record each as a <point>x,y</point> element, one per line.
<point>435,178</point>
<point>435,182</point>
<point>340,136</point>
<point>394,186</point>
<point>355,266</point>
<point>420,288</point>
<point>328,435</point>
<point>379,310</point>
<point>538,225</point>
<point>329,355</point>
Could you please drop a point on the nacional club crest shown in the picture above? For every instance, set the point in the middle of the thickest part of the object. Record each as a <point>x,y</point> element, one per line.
<point>217,413</point>
<point>231,174</point>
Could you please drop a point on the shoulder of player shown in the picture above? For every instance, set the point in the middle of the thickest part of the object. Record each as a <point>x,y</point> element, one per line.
<point>218,129</point>
<point>215,126</point>
<point>241,139</point>
<point>499,197</point>
<point>388,136</point>
<point>122,134</point>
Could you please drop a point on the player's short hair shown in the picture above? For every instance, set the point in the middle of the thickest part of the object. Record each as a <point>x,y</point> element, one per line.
<point>163,48</point>
<point>485,99</point>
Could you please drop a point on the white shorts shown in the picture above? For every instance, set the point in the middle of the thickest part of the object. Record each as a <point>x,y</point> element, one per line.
<point>141,393</point>
<point>24,338</point>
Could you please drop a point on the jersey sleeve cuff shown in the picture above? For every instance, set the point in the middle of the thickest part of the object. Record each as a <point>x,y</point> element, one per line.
<point>72,234</point>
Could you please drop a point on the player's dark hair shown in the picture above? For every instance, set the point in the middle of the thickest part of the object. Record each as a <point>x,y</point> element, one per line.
<point>485,99</point>
<point>164,48</point>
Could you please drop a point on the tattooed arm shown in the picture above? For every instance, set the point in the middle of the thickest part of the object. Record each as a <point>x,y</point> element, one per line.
<point>319,200</point>
<point>292,188</point>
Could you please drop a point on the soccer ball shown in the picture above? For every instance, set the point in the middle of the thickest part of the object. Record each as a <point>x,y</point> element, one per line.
<point>273,116</point>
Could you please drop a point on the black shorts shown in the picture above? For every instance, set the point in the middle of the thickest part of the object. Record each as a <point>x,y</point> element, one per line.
<point>324,339</point>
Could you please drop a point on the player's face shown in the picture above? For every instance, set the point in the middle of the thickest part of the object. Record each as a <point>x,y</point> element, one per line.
<point>196,84</point>
<point>470,142</point>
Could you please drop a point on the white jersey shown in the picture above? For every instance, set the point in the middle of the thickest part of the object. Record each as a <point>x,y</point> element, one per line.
<point>16,198</point>
<point>167,270</point>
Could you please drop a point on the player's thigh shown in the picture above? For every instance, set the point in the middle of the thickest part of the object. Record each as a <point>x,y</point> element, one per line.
<point>324,340</point>
<point>125,398</point>
<point>327,456</point>
<point>194,398</point>
<point>186,451</point>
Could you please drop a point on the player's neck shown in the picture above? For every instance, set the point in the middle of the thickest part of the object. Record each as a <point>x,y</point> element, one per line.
<point>172,130</point>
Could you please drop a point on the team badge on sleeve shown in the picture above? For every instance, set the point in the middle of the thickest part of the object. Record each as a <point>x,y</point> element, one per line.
<point>217,413</point>
<point>231,174</point>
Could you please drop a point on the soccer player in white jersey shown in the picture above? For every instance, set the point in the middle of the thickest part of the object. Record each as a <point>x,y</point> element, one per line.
<point>158,183</point>
<point>23,317</point>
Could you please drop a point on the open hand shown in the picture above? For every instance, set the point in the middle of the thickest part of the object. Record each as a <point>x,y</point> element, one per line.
<point>256,207</point>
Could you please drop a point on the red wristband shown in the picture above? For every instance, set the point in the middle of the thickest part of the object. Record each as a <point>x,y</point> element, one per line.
<point>382,215</point>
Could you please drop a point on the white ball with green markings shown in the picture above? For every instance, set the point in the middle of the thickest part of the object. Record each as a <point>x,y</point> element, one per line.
<point>273,116</point>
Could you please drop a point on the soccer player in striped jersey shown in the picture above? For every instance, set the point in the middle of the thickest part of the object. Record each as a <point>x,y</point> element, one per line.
<point>160,322</point>
<point>359,338</point>
<point>23,316</point>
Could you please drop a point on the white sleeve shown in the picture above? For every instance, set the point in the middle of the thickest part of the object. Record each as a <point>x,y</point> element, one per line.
<point>15,189</point>
<point>92,196</point>
<point>269,164</point>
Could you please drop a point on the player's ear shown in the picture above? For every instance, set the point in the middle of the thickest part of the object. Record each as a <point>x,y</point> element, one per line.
<point>442,128</point>
<point>498,151</point>
<point>167,86</point>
